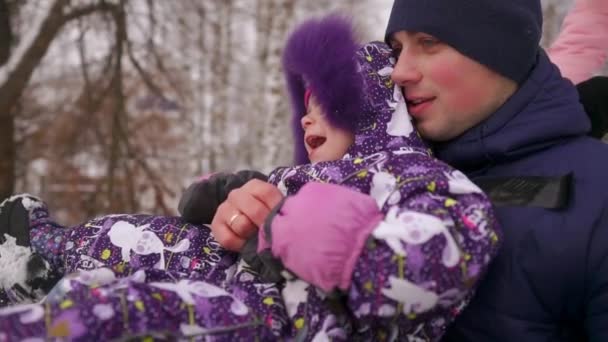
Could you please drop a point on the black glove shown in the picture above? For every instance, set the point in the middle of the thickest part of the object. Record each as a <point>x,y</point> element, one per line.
<point>15,220</point>
<point>593,95</point>
<point>201,200</point>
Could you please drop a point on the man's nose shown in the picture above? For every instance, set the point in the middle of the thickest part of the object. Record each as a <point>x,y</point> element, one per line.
<point>406,70</point>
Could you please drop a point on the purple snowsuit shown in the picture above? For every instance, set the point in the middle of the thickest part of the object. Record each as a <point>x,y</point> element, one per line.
<point>146,276</point>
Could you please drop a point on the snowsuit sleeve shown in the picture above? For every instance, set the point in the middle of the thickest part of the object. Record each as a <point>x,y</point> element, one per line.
<point>581,49</point>
<point>421,263</point>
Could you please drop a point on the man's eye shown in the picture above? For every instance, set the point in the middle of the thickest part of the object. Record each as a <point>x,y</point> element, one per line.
<point>428,42</point>
<point>396,51</point>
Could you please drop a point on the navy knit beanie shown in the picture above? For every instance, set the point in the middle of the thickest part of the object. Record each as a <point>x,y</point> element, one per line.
<point>503,35</point>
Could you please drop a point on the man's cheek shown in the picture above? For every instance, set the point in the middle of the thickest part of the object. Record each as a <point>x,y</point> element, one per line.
<point>465,102</point>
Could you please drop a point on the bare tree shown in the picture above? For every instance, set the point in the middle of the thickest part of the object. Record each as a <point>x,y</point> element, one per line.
<point>116,105</point>
<point>6,35</point>
<point>18,68</point>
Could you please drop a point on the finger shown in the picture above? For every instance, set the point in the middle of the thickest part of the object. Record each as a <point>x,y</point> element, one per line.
<point>242,226</point>
<point>251,207</point>
<point>222,232</point>
<point>265,192</point>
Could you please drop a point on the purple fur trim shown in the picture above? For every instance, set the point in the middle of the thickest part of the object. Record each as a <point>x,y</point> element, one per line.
<point>320,55</point>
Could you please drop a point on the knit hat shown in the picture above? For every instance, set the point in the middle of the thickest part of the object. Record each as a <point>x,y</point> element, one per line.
<point>503,35</point>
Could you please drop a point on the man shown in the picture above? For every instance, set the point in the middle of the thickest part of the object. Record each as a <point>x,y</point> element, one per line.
<point>480,88</point>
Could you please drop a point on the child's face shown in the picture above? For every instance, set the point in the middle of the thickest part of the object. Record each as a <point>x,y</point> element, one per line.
<point>323,142</point>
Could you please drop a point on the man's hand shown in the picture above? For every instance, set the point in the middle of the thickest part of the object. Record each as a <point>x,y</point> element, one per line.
<point>200,201</point>
<point>244,211</point>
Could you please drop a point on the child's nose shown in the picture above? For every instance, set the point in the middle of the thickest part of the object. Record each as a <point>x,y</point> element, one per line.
<point>306,121</point>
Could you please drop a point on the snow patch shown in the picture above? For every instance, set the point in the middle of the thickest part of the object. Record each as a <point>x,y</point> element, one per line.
<point>30,202</point>
<point>13,263</point>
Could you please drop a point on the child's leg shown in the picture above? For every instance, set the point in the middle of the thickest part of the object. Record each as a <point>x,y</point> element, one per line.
<point>95,306</point>
<point>25,275</point>
<point>127,243</point>
<point>47,237</point>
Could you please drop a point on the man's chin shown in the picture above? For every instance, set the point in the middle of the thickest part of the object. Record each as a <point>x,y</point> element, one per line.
<point>433,134</point>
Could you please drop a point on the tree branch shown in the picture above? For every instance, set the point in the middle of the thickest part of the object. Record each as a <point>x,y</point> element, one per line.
<point>18,79</point>
<point>144,75</point>
<point>119,102</point>
<point>89,9</point>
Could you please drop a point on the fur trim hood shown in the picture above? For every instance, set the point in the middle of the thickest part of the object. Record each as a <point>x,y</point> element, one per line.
<point>352,84</point>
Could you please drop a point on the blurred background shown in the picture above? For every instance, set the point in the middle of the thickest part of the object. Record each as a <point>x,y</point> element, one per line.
<point>111,106</point>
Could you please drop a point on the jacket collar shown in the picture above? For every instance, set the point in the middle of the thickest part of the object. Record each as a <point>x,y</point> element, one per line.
<point>544,111</point>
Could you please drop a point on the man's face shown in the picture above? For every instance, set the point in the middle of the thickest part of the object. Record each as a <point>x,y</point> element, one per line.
<point>446,92</point>
<point>323,142</point>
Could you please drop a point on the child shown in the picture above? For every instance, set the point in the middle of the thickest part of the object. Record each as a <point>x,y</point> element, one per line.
<point>405,276</point>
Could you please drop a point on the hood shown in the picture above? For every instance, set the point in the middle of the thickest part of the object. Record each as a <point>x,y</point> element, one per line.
<point>543,112</point>
<point>352,84</point>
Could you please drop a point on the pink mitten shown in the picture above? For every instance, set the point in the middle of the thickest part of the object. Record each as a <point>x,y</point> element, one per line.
<point>318,233</point>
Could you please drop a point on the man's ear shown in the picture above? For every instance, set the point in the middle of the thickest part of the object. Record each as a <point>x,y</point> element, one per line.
<point>593,95</point>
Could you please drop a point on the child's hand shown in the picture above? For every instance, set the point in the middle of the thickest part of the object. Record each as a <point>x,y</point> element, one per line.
<point>202,199</point>
<point>318,233</point>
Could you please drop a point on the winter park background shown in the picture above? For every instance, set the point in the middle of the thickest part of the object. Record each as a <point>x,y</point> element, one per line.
<point>113,106</point>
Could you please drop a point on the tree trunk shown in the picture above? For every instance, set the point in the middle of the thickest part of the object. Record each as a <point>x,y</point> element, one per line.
<point>7,124</point>
<point>275,127</point>
<point>6,34</point>
<point>8,156</point>
<point>116,157</point>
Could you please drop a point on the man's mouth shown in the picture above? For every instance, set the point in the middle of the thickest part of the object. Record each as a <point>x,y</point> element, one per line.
<point>315,141</point>
<point>419,100</point>
<point>416,105</point>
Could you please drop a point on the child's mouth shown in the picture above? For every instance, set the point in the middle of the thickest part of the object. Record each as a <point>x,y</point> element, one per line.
<point>315,141</point>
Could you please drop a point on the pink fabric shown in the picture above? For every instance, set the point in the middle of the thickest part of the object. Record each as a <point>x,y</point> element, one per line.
<point>320,232</point>
<point>581,49</point>
<point>307,94</point>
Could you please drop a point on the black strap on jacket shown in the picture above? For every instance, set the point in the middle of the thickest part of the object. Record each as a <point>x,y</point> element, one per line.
<point>528,191</point>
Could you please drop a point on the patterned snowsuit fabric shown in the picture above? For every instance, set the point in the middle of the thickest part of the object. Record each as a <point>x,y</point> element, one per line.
<point>141,275</point>
<point>439,234</point>
<point>157,276</point>
<point>47,238</point>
